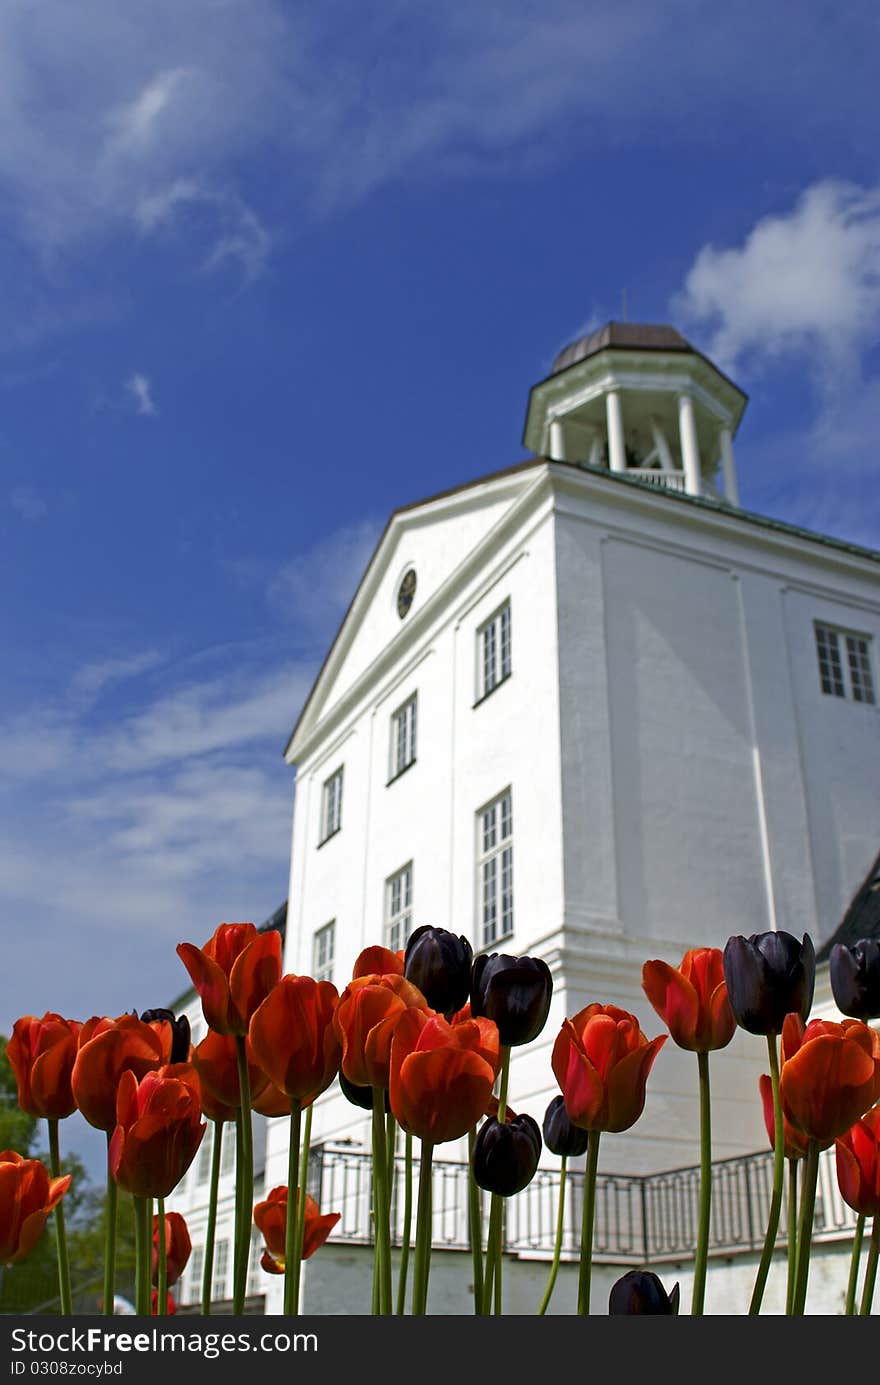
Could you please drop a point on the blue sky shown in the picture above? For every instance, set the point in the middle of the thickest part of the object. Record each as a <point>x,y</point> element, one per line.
<point>269,270</point>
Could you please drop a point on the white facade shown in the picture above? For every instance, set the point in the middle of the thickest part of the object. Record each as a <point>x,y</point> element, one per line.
<point>676,773</point>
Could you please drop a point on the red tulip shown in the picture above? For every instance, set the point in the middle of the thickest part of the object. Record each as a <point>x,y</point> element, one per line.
<point>216,1062</point>
<point>42,1053</point>
<point>158,1130</point>
<point>27,1196</point>
<point>858,1164</point>
<point>378,961</point>
<point>692,999</point>
<point>106,1049</point>
<point>830,1076</point>
<point>601,1060</point>
<point>270,1217</point>
<point>794,1141</point>
<point>177,1247</point>
<point>233,973</point>
<point>439,1082</point>
<point>170,1305</point>
<point>364,1021</point>
<point>293,1039</point>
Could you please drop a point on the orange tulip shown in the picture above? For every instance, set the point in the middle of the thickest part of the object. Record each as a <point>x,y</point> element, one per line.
<point>601,1060</point>
<point>858,1164</point>
<point>158,1130</point>
<point>42,1053</point>
<point>233,973</point>
<point>378,961</point>
<point>178,1247</point>
<point>439,1082</point>
<point>692,999</point>
<point>830,1076</point>
<point>170,1305</point>
<point>364,1021</point>
<point>270,1217</point>
<point>794,1141</point>
<point>293,1039</point>
<point>106,1049</point>
<point>27,1196</point>
<point>216,1062</point>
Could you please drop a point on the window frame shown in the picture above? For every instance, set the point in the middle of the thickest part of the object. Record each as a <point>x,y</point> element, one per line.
<point>391,920</point>
<point>846,664</point>
<point>503,640</point>
<point>331,805</point>
<point>503,846</point>
<point>397,744</point>
<point>324,971</point>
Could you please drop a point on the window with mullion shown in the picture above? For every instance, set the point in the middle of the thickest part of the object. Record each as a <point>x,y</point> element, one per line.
<point>845,668</point>
<point>403,737</point>
<point>494,659</point>
<point>398,908</point>
<point>331,805</point>
<point>495,870</point>
<point>323,949</point>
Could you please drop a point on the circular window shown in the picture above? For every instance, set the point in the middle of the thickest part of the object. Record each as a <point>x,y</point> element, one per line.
<point>406,591</point>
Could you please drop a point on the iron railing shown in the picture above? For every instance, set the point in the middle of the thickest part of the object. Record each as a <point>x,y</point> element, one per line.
<point>638,1218</point>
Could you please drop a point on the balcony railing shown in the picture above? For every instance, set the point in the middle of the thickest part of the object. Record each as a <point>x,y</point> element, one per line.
<point>639,1219</point>
<point>667,480</point>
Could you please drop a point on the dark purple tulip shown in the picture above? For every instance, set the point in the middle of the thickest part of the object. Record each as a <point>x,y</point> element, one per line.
<point>515,992</point>
<point>506,1156</point>
<point>640,1291</point>
<point>180,1032</point>
<point>855,978</point>
<point>769,976</point>
<point>359,1096</point>
<point>439,964</point>
<point>560,1136</point>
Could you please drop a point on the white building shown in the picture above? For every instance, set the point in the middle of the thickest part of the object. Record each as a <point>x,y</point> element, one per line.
<point>590,709</point>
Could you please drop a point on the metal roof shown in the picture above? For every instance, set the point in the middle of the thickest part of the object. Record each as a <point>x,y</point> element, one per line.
<point>630,336</point>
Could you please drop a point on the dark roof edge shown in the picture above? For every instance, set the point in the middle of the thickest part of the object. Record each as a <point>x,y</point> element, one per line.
<point>864,905</point>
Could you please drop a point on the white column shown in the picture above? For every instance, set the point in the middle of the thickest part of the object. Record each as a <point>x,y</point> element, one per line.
<point>557,442</point>
<point>731,490</point>
<point>690,452</point>
<point>616,452</point>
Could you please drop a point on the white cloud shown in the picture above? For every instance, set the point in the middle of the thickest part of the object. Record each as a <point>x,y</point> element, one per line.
<point>315,587</point>
<point>28,503</point>
<point>803,281</point>
<point>92,678</point>
<point>137,123</point>
<point>140,388</point>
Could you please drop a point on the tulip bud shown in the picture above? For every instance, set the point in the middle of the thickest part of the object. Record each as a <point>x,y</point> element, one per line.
<point>855,978</point>
<point>439,964</point>
<point>769,975</point>
<point>515,992</point>
<point>180,1032</point>
<point>506,1156</point>
<point>640,1291</point>
<point>560,1136</point>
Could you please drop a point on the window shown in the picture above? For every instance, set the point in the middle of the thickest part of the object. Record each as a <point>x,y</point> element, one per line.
<point>221,1268</point>
<point>194,1275</point>
<point>495,870</point>
<point>203,1168</point>
<point>403,738</point>
<point>845,664</point>
<point>331,806</point>
<point>323,945</point>
<point>398,908</point>
<point>493,652</point>
<point>255,1277</point>
<point>227,1153</point>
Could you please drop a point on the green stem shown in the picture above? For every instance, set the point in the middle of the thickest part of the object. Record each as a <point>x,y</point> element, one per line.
<point>245,1159</point>
<point>424,1229</point>
<point>778,1179</point>
<point>499,1248</point>
<point>792,1232</point>
<point>301,1208</point>
<point>805,1227</point>
<point>60,1233</point>
<point>110,1205</point>
<point>583,1306</point>
<point>383,1221</point>
<point>702,1252</point>
<point>208,1268</point>
<point>143,1255</point>
<point>475,1225</point>
<point>493,1238</point>
<point>162,1276</point>
<point>871,1268</point>
<point>291,1305</point>
<point>557,1248</point>
<point>849,1310</point>
<point>407,1227</point>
